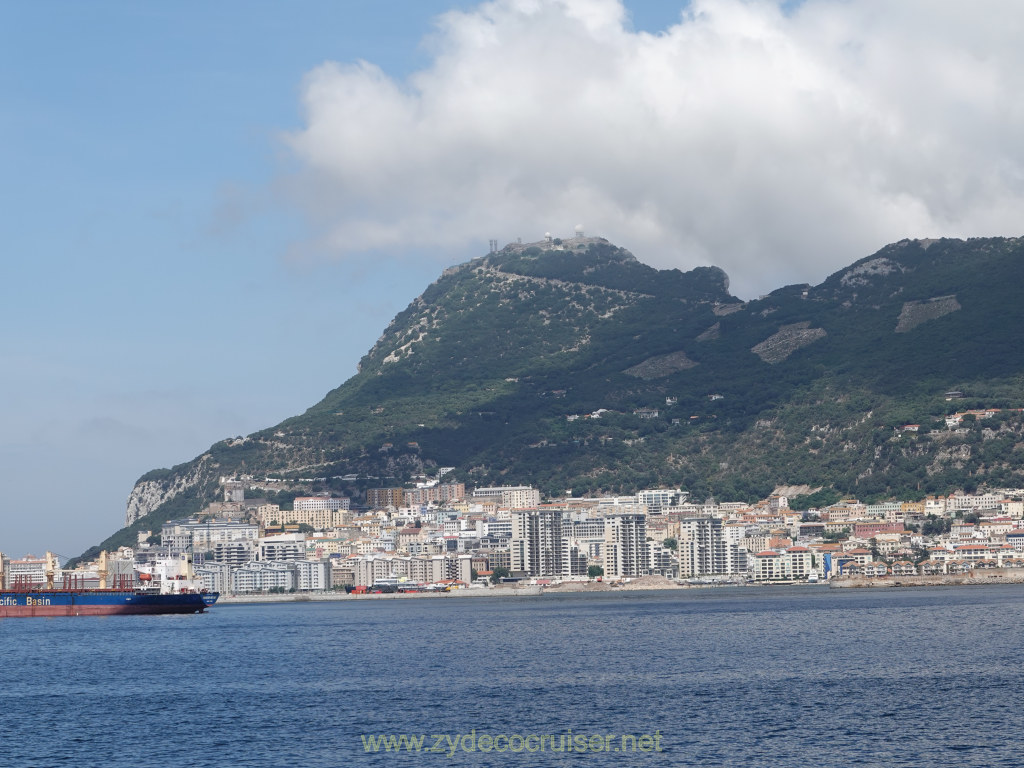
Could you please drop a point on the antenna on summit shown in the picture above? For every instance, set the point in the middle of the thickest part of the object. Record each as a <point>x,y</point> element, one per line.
<point>579,230</point>
<point>493,245</point>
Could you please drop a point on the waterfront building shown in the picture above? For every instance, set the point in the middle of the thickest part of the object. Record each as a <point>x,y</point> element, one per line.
<point>263,576</point>
<point>766,566</point>
<point>659,559</point>
<point>791,564</point>
<point>371,569</point>
<point>626,554</point>
<point>709,547</point>
<point>216,577</point>
<point>541,547</point>
<point>312,575</point>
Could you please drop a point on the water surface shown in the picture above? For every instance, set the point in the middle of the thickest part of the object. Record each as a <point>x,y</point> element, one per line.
<point>728,677</point>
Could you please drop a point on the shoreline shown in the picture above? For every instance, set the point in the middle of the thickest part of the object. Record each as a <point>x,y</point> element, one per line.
<point>972,578</point>
<point>327,597</point>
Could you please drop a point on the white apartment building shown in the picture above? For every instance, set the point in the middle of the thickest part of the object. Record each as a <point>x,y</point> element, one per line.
<point>792,564</point>
<point>1012,507</point>
<point>202,535</point>
<point>315,503</point>
<point>625,545</point>
<point>419,570</point>
<point>232,552</point>
<point>540,545</point>
<point>587,534</point>
<point>657,500</point>
<point>707,546</point>
<point>509,496</point>
<point>261,576</point>
<point>286,547</point>
<point>312,575</point>
<point>498,527</point>
<point>30,569</point>
<point>216,577</point>
<point>958,504</point>
<point>318,519</point>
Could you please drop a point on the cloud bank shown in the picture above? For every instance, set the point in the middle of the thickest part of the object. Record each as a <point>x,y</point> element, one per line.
<point>778,144</point>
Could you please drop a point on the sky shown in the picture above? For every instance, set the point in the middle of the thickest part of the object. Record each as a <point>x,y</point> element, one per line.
<point>210,211</point>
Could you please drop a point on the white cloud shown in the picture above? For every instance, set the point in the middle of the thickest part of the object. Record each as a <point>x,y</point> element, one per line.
<point>778,145</point>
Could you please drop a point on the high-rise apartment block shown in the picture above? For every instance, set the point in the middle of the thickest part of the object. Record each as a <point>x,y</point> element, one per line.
<point>541,545</point>
<point>625,545</point>
<point>709,547</point>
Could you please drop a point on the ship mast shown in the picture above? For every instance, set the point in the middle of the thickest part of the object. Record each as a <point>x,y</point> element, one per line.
<point>102,573</point>
<point>51,569</point>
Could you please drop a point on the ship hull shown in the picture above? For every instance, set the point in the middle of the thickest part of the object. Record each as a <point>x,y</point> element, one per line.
<point>89,602</point>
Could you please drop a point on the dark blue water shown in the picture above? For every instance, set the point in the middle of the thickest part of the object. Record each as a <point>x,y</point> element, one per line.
<point>725,677</point>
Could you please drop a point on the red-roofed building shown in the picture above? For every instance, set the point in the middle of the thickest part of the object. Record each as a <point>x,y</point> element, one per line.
<point>860,556</point>
<point>904,568</point>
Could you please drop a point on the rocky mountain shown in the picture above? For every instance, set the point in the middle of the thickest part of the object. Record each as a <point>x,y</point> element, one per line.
<point>572,365</point>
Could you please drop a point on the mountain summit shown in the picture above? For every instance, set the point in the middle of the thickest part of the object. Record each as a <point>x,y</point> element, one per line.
<point>569,364</point>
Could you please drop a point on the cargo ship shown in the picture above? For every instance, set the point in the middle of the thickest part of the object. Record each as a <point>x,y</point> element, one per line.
<point>135,594</point>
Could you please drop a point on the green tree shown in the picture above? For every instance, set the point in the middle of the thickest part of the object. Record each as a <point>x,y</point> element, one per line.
<point>671,543</point>
<point>935,525</point>
<point>593,571</point>
<point>876,554</point>
<point>498,573</point>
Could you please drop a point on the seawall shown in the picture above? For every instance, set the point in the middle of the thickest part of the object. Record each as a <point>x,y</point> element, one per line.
<point>325,597</point>
<point>979,576</point>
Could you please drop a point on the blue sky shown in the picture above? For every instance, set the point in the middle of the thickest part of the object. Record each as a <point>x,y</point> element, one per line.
<point>143,322</point>
<point>139,327</point>
<point>211,211</point>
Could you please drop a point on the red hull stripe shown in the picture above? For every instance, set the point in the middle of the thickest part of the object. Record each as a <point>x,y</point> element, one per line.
<point>19,611</point>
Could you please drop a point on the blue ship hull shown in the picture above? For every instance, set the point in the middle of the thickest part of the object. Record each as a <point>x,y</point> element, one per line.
<point>99,602</point>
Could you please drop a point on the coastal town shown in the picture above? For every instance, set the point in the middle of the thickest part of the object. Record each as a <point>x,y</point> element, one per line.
<point>438,537</point>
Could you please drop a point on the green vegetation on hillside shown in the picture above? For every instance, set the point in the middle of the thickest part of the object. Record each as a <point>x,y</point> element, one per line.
<point>541,365</point>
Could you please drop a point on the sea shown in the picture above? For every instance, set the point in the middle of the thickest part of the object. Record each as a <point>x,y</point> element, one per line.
<point>718,677</point>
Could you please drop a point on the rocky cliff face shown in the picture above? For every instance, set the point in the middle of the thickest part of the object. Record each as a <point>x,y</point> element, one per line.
<point>149,495</point>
